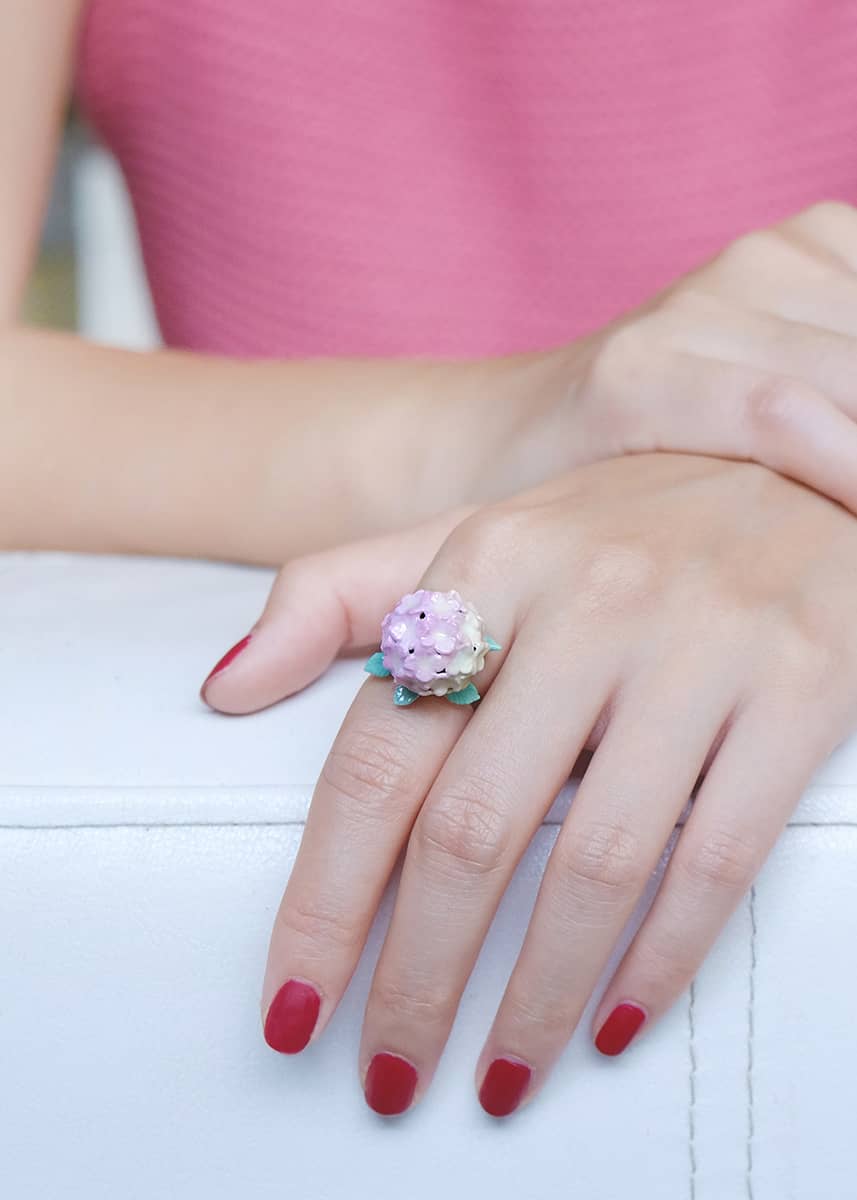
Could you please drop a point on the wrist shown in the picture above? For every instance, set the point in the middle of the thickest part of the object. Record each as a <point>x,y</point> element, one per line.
<point>547,433</point>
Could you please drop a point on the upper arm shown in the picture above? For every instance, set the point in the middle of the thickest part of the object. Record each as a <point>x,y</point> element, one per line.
<point>37,46</point>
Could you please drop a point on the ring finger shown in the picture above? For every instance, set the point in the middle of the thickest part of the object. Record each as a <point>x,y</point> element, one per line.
<point>631,796</point>
<point>753,785</point>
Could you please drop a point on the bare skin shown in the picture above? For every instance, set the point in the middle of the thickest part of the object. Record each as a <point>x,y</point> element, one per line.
<point>752,357</point>
<point>676,613</point>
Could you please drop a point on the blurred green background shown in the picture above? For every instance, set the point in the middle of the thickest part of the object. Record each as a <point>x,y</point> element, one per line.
<point>51,295</point>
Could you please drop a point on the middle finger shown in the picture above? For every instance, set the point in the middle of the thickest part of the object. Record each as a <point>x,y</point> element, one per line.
<point>478,819</point>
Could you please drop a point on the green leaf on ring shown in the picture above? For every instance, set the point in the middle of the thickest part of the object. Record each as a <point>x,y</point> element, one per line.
<point>375,666</point>
<point>403,696</point>
<point>467,695</point>
<point>492,645</point>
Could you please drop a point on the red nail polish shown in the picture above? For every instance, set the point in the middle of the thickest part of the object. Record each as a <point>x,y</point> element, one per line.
<point>224,662</point>
<point>292,1017</point>
<point>617,1031</point>
<point>390,1084</point>
<point>503,1086</point>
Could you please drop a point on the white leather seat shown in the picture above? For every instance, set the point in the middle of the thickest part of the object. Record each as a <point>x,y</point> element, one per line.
<point>144,843</point>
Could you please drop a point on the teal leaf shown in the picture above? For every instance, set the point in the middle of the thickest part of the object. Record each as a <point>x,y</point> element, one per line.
<point>403,696</point>
<point>492,645</point>
<point>467,695</point>
<point>375,666</point>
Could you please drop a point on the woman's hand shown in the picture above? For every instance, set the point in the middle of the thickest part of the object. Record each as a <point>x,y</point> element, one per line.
<point>751,357</point>
<point>681,615</point>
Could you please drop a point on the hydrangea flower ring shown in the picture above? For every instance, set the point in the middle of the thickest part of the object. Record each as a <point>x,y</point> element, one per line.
<point>432,644</point>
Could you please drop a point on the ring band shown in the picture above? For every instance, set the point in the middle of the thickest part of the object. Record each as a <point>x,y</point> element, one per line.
<point>432,644</point>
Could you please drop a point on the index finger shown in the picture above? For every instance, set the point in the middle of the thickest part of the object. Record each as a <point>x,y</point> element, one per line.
<point>381,766</point>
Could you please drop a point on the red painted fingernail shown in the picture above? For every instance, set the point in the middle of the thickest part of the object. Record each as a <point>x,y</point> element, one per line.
<point>617,1031</point>
<point>224,662</point>
<point>292,1017</point>
<point>390,1084</point>
<point>503,1086</point>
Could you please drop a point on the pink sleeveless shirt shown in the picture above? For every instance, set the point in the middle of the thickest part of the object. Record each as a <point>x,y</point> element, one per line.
<point>456,177</point>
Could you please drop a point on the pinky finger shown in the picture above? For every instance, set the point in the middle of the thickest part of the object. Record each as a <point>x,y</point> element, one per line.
<point>747,797</point>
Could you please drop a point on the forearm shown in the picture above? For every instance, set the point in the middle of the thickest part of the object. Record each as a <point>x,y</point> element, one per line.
<point>174,453</point>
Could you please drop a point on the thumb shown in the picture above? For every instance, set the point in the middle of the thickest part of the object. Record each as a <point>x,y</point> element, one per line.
<point>319,606</point>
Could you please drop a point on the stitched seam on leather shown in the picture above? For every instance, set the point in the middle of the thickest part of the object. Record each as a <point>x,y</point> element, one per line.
<point>751,1030</point>
<point>691,1022</point>
<point>211,824</point>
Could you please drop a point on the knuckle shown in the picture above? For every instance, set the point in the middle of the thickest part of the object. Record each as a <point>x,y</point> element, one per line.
<point>297,569</point>
<point>464,827</point>
<point>750,251</point>
<point>298,577</point>
<point>824,211</point>
<point>616,361</point>
<point>603,855</point>
<point>772,407</point>
<point>421,1002</point>
<point>690,299</point>
<point>722,859</point>
<point>486,542</point>
<point>366,770</point>
<point>829,228</point>
<point>318,925</point>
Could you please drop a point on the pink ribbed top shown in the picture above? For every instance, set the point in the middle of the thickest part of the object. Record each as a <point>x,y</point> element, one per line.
<point>456,176</point>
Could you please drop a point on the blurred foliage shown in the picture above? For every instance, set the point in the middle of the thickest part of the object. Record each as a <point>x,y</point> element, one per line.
<point>50,295</point>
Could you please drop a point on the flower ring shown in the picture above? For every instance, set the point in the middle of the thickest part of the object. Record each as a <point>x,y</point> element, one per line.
<point>432,644</point>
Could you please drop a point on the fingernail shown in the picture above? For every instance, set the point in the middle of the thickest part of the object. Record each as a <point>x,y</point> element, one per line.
<point>390,1084</point>
<point>503,1086</point>
<point>292,1017</point>
<point>224,662</point>
<point>617,1031</point>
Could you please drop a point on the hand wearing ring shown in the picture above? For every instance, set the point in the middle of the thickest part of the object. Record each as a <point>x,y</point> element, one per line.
<point>684,617</point>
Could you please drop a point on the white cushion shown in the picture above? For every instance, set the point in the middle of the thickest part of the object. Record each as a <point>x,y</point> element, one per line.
<point>144,844</point>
